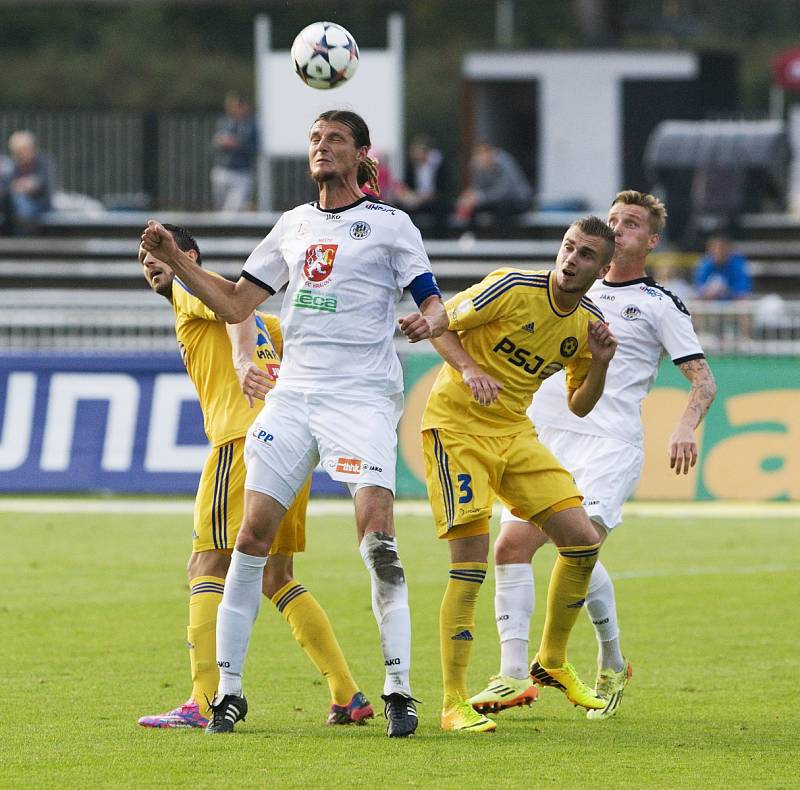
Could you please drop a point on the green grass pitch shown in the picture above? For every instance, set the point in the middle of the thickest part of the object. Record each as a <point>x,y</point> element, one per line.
<point>93,614</point>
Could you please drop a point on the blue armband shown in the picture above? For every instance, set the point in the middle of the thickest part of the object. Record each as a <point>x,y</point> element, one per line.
<point>423,286</point>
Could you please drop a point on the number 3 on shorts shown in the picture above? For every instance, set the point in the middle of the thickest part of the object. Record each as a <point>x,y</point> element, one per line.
<point>464,482</point>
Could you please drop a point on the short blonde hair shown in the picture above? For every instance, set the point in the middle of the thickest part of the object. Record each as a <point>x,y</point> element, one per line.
<point>656,209</point>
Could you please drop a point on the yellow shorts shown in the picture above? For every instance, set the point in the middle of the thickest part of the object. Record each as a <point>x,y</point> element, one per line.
<point>219,505</point>
<point>466,474</point>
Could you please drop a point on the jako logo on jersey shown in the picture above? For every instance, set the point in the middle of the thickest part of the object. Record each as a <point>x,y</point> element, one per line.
<point>379,207</point>
<point>360,230</point>
<point>348,466</point>
<point>569,345</point>
<point>518,356</point>
<point>631,312</point>
<point>392,662</point>
<point>260,435</point>
<point>319,261</point>
<point>333,216</point>
<point>312,301</point>
<point>609,297</point>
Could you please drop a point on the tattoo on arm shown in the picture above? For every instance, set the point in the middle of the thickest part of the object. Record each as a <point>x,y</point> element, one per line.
<point>704,388</point>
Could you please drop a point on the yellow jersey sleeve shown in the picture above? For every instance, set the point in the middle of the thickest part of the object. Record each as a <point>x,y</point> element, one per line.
<point>185,302</point>
<point>272,328</point>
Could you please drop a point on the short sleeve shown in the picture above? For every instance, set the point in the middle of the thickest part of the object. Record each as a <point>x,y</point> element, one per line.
<point>409,259</point>
<point>273,327</point>
<point>186,303</point>
<point>266,266</point>
<point>480,303</point>
<point>578,369</point>
<point>676,333</point>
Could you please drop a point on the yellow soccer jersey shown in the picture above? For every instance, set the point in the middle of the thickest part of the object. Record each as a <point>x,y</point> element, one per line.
<point>510,325</point>
<point>206,352</point>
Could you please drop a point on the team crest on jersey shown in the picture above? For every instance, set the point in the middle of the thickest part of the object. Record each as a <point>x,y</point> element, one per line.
<point>631,312</point>
<point>360,230</point>
<point>569,345</point>
<point>319,262</point>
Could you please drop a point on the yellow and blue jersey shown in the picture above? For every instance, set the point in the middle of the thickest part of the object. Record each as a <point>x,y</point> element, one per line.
<point>206,351</point>
<point>510,324</point>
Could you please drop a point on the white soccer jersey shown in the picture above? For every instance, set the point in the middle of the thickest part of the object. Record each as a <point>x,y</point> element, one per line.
<point>344,271</point>
<point>648,322</point>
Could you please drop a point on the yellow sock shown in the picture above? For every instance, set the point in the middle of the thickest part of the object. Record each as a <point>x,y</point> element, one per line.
<point>206,593</point>
<point>456,626</point>
<point>566,595</point>
<point>313,632</point>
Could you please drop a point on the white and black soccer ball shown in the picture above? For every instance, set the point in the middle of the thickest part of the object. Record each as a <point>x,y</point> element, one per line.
<point>325,55</point>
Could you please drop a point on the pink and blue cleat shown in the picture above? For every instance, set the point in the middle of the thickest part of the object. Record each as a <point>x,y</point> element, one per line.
<point>186,716</point>
<point>357,711</point>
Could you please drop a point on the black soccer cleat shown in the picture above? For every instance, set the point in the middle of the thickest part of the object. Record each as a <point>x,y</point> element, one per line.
<point>401,715</point>
<point>225,713</point>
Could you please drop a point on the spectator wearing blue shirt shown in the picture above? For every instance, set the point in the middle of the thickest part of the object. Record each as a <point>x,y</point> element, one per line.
<point>722,273</point>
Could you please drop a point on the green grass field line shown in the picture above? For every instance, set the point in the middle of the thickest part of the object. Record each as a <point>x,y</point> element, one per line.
<point>93,615</point>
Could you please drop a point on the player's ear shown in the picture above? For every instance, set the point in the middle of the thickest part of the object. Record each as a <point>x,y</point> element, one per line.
<point>192,254</point>
<point>652,242</point>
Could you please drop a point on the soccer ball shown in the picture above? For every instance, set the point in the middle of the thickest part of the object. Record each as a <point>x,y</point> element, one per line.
<point>325,55</point>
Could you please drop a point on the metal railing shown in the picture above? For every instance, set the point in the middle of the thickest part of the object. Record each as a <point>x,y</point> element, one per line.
<point>92,321</point>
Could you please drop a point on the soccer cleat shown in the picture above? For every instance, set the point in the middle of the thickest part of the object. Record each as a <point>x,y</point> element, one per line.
<point>225,713</point>
<point>462,717</point>
<point>504,692</point>
<point>357,711</point>
<point>401,715</point>
<point>610,685</point>
<point>187,715</point>
<point>565,679</point>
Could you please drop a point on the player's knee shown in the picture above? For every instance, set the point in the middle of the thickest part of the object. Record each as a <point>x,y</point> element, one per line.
<point>509,549</point>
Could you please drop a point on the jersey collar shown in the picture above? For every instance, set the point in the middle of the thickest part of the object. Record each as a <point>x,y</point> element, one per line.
<point>552,299</point>
<point>316,205</point>
<point>647,280</point>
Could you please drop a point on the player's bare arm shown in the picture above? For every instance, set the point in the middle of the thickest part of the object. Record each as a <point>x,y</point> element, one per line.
<point>254,381</point>
<point>431,321</point>
<point>603,345</point>
<point>682,443</point>
<point>232,302</point>
<point>485,388</point>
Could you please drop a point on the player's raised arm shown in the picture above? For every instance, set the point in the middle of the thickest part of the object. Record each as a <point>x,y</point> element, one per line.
<point>682,443</point>
<point>603,345</point>
<point>232,302</point>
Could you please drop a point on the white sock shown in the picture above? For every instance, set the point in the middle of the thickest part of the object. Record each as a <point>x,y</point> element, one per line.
<point>514,600</point>
<point>390,607</point>
<point>235,617</point>
<point>601,606</point>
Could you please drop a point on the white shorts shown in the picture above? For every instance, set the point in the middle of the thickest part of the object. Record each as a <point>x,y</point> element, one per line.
<point>354,439</point>
<point>606,471</point>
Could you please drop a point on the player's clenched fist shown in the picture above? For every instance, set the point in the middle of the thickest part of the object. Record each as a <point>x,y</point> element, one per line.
<point>602,341</point>
<point>157,241</point>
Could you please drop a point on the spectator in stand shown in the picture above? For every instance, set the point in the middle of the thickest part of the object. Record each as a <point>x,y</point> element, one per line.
<point>236,148</point>
<point>721,273</point>
<point>27,185</point>
<point>497,186</point>
<point>423,193</point>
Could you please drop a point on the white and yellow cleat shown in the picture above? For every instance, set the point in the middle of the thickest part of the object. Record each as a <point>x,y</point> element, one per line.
<point>504,692</point>
<point>610,685</point>
<point>566,680</point>
<point>462,717</point>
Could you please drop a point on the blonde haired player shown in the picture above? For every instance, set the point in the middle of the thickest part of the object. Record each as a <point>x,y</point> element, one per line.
<point>603,450</point>
<point>521,327</point>
<point>206,347</point>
